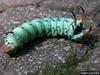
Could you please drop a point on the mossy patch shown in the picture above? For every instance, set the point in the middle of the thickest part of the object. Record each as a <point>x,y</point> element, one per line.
<point>70,67</point>
<point>67,68</point>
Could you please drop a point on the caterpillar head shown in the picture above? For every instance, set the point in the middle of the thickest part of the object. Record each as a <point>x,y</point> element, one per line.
<point>79,29</point>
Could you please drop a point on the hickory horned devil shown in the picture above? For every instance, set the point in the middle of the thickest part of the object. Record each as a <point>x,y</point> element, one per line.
<point>71,27</point>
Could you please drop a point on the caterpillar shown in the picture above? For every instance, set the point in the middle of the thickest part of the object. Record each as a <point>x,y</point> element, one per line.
<point>70,28</point>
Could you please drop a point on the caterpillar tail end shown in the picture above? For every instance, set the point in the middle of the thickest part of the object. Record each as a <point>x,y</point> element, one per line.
<point>6,49</point>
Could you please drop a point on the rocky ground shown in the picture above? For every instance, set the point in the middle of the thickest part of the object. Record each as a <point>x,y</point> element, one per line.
<point>45,50</point>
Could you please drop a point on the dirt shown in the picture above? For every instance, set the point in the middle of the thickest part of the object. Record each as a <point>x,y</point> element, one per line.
<point>45,50</point>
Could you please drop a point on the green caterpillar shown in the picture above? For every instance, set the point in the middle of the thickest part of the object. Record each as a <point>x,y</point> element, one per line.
<point>43,27</point>
<point>71,28</point>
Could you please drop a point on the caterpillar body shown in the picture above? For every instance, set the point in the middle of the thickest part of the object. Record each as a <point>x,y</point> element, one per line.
<point>42,27</point>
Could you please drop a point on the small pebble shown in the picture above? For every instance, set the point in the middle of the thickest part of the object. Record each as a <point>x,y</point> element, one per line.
<point>67,48</point>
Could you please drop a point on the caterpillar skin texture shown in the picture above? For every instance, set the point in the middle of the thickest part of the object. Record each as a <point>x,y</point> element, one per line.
<point>42,27</point>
